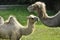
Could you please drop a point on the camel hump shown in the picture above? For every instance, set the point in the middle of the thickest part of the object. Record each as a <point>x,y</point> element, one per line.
<point>1,20</point>
<point>11,19</point>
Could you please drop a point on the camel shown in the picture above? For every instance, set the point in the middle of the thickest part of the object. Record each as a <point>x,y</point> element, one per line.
<point>13,30</point>
<point>40,8</point>
<point>1,20</point>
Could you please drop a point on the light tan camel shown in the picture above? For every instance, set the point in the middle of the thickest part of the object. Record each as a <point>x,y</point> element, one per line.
<point>40,7</point>
<point>13,30</point>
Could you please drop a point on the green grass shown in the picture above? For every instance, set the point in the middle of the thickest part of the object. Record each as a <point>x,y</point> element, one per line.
<point>44,33</point>
<point>41,32</point>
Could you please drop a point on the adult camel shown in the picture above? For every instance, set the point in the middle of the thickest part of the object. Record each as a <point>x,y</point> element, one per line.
<point>40,7</point>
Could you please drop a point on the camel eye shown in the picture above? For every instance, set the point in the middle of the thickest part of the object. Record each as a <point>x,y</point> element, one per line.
<point>32,18</point>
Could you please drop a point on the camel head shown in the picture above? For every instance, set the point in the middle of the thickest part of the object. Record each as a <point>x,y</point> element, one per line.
<point>32,18</point>
<point>39,7</point>
<point>33,7</point>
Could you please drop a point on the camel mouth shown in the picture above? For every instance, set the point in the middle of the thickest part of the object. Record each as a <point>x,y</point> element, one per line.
<point>31,8</point>
<point>36,18</point>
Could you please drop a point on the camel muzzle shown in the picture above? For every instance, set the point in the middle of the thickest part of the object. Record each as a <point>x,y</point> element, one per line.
<point>36,18</point>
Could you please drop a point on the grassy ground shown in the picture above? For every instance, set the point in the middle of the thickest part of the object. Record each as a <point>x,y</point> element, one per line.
<point>41,32</point>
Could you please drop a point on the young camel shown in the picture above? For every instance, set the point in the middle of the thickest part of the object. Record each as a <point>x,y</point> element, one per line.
<point>13,30</point>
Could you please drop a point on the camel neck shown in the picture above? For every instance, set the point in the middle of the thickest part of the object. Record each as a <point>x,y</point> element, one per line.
<point>42,12</point>
<point>45,19</point>
<point>30,24</point>
<point>28,30</point>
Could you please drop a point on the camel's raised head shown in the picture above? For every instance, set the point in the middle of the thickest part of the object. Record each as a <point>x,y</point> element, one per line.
<point>32,18</point>
<point>33,7</point>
